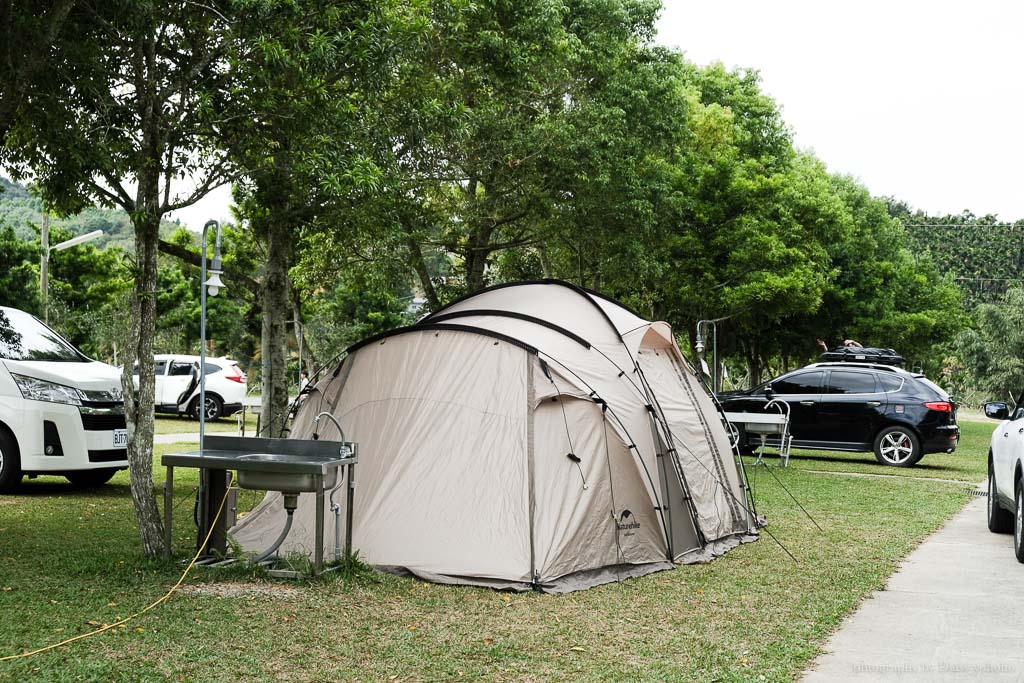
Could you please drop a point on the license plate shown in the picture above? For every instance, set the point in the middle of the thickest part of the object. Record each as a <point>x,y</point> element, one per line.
<point>120,437</point>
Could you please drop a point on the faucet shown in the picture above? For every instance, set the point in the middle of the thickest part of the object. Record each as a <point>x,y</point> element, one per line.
<point>346,450</point>
<point>316,424</point>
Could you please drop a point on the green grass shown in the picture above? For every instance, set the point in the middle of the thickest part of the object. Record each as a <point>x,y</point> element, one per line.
<point>68,558</point>
<point>968,463</point>
<point>173,424</point>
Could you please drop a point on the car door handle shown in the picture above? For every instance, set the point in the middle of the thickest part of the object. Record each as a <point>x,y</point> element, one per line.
<point>874,403</point>
<point>807,403</point>
<point>1021,430</point>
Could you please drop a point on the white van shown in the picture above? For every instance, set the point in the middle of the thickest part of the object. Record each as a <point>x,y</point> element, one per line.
<point>60,412</point>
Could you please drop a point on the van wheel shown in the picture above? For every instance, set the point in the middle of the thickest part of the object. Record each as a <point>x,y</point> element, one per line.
<point>90,479</point>
<point>1000,521</point>
<point>10,463</point>
<point>897,447</point>
<point>214,408</point>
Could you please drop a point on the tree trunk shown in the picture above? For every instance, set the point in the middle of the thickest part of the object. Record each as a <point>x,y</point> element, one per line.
<point>419,264</point>
<point>146,220</point>
<point>276,306</point>
<point>140,413</point>
<point>477,254</point>
<point>545,261</point>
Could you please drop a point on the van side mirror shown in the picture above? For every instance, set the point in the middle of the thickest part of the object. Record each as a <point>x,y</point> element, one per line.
<point>769,392</point>
<point>997,410</point>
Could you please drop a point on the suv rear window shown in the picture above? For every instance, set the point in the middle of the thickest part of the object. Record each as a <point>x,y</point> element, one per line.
<point>847,382</point>
<point>890,383</point>
<point>933,386</point>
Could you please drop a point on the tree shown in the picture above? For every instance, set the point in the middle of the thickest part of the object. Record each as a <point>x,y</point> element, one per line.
<point>29,34</point>
<point>116,117</point>
<point>483,126</point>
<point>306,75</point>
<point>994,351</point>
<point>19,279</point>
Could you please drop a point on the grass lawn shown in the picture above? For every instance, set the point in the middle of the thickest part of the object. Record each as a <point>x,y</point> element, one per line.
<point>969,463</point>
<point>69,560</point>
<point>174,424</point>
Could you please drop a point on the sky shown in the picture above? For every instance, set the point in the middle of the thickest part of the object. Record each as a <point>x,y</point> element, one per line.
<point>923,101</point>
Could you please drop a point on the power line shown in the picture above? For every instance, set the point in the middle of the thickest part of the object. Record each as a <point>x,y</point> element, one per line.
<point>1019,224</point>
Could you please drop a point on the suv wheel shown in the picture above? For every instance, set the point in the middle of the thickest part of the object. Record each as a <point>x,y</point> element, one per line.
<point>10,463</point>
<point>897,447</point>
<point>1000,521</point>
<point>214,408</point>
<point>1018,521</point>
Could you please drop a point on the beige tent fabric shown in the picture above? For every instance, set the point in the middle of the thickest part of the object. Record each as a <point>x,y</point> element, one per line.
<point>465,423</point>
<point>595,513</point>
<point>702,451</point>
<point>441,484</point>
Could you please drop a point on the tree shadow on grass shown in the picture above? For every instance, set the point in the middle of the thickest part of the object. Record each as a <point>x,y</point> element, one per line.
<point>58,486</point>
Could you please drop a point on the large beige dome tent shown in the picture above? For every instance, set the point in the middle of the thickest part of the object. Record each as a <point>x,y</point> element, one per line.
<point>531,435</point>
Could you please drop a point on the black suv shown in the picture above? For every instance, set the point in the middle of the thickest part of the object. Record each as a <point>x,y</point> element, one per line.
<point>857,407</point>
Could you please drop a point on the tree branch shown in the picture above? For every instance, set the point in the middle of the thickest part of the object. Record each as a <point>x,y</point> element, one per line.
<point>195,259</point>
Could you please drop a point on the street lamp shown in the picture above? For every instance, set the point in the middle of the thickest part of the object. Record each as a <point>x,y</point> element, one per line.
<point>44,266</point>
<point>699,345</point>
<point>209,481</point>
<point>213,285</point>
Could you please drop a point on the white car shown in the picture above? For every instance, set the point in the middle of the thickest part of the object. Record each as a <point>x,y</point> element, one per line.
<point>1006,473</point>
<point>60,412</point>
<point>177,386</point>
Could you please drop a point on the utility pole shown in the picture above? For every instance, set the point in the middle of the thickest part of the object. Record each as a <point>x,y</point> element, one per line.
<point>44,266</point>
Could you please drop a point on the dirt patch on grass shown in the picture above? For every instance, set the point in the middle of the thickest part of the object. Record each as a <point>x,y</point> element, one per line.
<point>243,590</point>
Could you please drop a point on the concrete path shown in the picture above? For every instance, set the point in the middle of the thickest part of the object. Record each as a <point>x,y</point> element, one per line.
<point>188,437</point>
<point>952,612</point>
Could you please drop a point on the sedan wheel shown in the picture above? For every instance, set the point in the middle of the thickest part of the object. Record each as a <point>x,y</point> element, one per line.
<point>897,447</point>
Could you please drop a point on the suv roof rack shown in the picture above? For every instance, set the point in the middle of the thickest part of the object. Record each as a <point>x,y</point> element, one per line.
<point>859,364</point>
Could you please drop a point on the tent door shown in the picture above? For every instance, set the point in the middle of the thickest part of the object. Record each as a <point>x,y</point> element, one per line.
<point>682,532</point>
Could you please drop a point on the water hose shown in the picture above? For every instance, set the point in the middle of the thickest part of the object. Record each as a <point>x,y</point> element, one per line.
<point>280,539</point>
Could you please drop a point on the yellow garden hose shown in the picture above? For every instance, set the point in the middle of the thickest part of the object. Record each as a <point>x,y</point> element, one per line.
<point>164,598</point>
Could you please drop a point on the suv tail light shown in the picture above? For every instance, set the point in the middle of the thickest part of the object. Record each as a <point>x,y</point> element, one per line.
<point>941,406</point>
<point>235,375</point>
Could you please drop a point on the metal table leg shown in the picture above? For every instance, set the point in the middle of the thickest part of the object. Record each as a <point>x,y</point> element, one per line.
<point>318,553</point>
<point>168,508</point>
<point>348,510</point>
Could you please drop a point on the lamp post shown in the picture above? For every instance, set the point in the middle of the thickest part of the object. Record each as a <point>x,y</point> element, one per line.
<point>213,285</point>
<point>44,266</point>
<point>699,345</point>
<point>209,482</point>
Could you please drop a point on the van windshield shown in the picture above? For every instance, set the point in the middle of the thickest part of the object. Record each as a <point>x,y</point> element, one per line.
<point>22,337</point>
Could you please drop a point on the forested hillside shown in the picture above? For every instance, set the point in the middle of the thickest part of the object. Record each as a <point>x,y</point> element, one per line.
<point>23,211</point>
<point>984,255</point>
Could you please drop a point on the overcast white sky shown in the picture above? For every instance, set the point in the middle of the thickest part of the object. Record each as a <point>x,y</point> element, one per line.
<point>920,100</point>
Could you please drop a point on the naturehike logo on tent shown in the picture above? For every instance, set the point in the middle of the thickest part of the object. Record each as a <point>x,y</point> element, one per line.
<point>623,525</point>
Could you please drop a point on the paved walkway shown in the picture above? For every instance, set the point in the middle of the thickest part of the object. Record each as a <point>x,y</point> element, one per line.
<point>188,437</point>
<point>952,612</point>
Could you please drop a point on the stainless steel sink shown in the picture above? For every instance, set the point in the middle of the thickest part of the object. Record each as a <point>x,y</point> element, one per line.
<point>292,473</point>
<point>291,466</point>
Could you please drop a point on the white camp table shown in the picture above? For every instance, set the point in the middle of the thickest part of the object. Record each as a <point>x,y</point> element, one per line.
<point>764,424</point>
